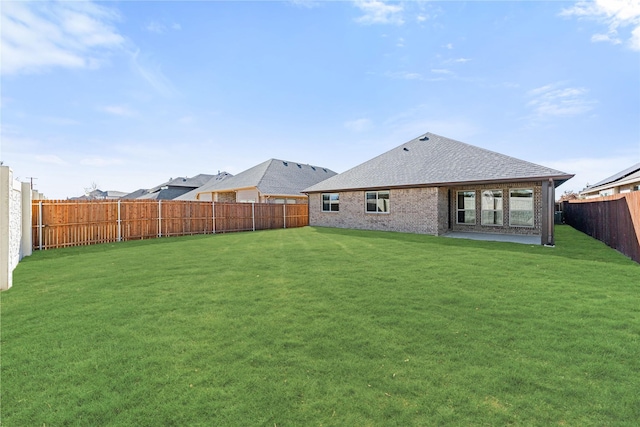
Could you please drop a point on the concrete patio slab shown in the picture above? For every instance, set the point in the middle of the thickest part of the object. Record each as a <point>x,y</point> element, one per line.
<point>495,237</point>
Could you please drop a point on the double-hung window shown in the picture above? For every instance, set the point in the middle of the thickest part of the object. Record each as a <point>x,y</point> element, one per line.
<point>491,204</point>
<point>377,201</point>
<point>330,202</point>
<point>521,207</point>
<point>466,207</point>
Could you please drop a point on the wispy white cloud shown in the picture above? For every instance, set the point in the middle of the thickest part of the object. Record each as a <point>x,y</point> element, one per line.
<point>60,121</point>
<point>37,36</point>
<point>359,125</point>
<point>119,110</point>
<point>617,15</point>
<point>556,100</point>
<point>51,159</point>
<point>379,12</point>
<point>98,161</point>
<point>305,3</point>
<point>152,74</point>
<point>441,71</point>
<point>404,75</point>
<point>160,28</point>
<point>155,27</point>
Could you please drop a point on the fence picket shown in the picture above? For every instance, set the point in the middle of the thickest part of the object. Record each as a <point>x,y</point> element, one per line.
<point>614,220</point>
<point>62,223</point>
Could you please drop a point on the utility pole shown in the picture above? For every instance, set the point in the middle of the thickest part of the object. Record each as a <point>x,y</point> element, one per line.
<point>31,178</point>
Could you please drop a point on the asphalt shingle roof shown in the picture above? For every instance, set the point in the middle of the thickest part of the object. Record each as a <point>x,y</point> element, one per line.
<point>630,173</point>
<point>435,160</point>
<point>273,177</point>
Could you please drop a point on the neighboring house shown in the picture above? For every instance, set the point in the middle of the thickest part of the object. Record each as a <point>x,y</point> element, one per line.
<point>193,194</point>
<point>273,181</point>
<point>138,193</point>
<point>434,185</point>
<point>101,195</point>
<point>171,189</point>
<point>623,182</point>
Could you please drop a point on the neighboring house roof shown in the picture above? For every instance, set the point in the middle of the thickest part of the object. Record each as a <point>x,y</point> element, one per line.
<point>627,176</point>
<point>273,177</point>
<point>136,194</point>
<point>432,160</point>
<point>193,182</point>
<point>169,193</point>
<point>191,195</point>
<point>101,195</point>
<point>171,189</point>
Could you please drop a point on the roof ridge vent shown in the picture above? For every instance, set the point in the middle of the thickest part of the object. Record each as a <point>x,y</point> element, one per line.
<point>424,138</point>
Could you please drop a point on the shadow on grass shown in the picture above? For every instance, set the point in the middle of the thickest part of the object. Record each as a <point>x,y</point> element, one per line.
<point>570,244</point>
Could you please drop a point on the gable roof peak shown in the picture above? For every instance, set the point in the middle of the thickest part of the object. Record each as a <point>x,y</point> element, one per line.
<point>431,160</point>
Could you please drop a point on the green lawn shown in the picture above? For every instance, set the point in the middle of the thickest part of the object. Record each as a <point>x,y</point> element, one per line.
<point>323,327</point>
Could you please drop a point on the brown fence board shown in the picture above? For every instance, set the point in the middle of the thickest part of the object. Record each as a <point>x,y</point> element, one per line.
<point>85,222</point>
<point>614,220</point>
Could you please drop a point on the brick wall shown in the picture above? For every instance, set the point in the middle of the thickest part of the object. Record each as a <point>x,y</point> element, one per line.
<point>413,210</point>
<point>536,230</point>
<point>422,210</point>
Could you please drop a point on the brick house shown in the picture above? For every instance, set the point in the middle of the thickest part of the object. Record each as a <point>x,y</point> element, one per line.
<point>624,181</point>
<point>434,185</point>
<point>273,181</point>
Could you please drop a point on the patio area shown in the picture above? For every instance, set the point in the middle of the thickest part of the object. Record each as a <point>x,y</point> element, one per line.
<point>495,237</point>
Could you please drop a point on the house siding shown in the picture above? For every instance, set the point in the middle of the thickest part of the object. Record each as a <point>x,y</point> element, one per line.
<point>412,210</point>
<point>536,230</point>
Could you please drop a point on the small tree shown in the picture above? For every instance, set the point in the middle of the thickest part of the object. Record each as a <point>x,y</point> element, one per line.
<point>92,192</point>
<point>568,195</point>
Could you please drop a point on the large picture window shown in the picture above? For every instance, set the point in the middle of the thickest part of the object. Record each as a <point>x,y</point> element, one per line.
<point>466,209</point>
<point>330,202</point>
<point>491,205</point>
<point>521,207</point>
<point>377,201</point>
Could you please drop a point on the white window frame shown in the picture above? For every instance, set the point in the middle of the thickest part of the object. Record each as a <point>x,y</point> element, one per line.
<point>458,210</point>
<point>533,208</point>
<point>332,202</point>
<point>494,210</point>
<point>386,205</point>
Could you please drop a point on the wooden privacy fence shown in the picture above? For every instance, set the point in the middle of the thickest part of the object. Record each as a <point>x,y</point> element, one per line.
<point>60,223</point>
<point>614,220</point>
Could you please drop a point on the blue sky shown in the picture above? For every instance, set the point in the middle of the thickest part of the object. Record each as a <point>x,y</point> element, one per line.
<point>129,94</point>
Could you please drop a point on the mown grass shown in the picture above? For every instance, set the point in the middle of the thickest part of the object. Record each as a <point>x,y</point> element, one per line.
<point>323,327</point>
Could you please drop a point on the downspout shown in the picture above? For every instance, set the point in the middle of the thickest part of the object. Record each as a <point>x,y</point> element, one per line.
<point>548,192</point>
<point>551,241</point>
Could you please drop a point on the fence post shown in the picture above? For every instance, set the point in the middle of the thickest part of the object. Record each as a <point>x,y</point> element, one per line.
<point>284,213</point>
<point>213,215</point>
<point>159,218</point>
<point>40,225</point>
<point>253,215</point>
<point>119,224</point>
